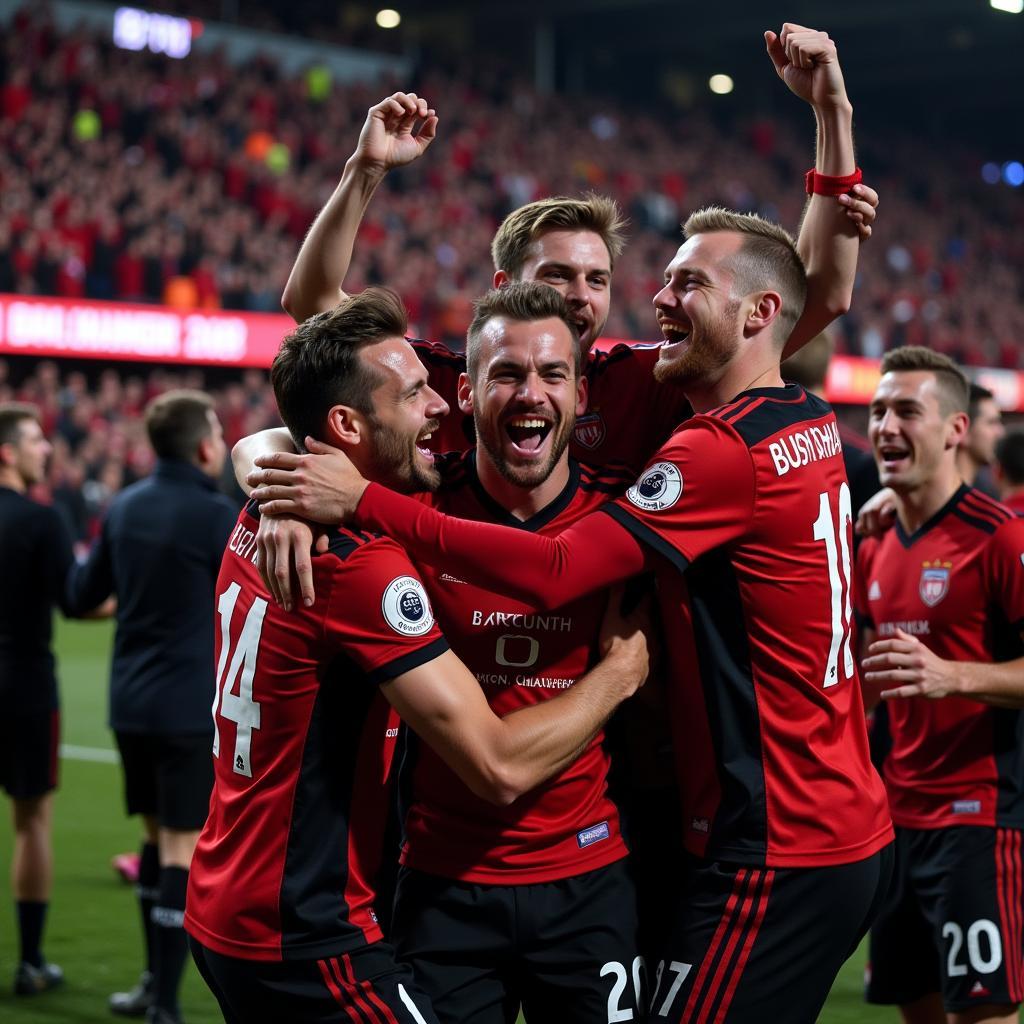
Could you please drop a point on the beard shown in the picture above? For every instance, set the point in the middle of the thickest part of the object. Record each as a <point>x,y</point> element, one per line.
<point>706,356</point>
<point>396,462</point>
<point>533,474</point>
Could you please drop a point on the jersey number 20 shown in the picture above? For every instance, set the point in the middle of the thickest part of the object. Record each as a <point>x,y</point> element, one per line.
<point>236,659</point>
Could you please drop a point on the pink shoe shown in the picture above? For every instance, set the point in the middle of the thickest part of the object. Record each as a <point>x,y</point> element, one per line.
<point>127,866</point>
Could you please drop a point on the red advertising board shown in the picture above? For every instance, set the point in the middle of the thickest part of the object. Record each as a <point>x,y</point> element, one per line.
<point>86,329</point>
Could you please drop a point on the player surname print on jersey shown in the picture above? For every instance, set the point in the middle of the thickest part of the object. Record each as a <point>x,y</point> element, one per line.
<point>406,608</point>
<point>659,488</point>
<point>803,447</point>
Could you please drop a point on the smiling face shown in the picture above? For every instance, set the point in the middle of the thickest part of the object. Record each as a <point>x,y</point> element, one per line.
<point>697,312</point>
<point>577,265</point>
<point>525,396</point>
<point>911,431</point>
<point>406,411</point>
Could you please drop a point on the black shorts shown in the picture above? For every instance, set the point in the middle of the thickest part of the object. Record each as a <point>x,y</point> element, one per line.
<point>365,985</point>
<point>565,950</point>
<point>953,920</point>
<point>29,742</point>
<point>751,945</point>
<point>168,777</point>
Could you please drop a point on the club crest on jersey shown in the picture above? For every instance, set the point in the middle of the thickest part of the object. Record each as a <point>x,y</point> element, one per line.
<point>406,608</point>
<point>589,430</point>
<point>659,488</point>
<point>934,583</point>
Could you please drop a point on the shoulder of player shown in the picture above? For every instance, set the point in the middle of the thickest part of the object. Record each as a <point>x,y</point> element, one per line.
<point>611,478</point>
<point>761,413</point>
<point>437,354</point>
<point>622,354</point>
<point>983,513</point>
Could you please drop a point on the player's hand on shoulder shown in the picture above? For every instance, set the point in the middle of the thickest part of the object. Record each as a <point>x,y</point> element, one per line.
<point>909,669</point>
<point>807,61</point>
<point>861,208</point>
<point>628,636</point>
<point>321,485</point>
<point>877,514</point>
<point>284,546</point>
<point>397,131</point>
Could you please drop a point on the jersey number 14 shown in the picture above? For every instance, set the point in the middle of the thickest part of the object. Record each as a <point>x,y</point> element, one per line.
<point>237,663</point>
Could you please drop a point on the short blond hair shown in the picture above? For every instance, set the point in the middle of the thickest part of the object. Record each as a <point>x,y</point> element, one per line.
<point>522,227</point>
<point>954,388</point>
<point>767,261</point>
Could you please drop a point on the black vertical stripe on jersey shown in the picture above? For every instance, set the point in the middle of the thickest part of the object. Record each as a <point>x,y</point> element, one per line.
<point>1005,642</point>
<point>740,826</point>
<point>313,906</point>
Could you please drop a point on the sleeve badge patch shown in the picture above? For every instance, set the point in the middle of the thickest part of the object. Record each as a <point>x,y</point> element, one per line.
<point>406,608</point>
<point>659,487</point>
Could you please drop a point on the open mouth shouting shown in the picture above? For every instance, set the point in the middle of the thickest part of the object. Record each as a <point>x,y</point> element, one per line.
<point>895,457</point>
<point>425,435</point>
<point>674,332</point>
<point>528,434</point>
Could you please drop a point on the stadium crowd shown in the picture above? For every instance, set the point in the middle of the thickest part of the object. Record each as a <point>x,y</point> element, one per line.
<point>98,435</point>
<point>192,183</point>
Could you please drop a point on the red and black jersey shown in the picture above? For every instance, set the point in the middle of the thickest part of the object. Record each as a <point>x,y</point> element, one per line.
<point>768,718</point>
<point>957,584</point>
<point>610,433</point>
<point>568,825</point>
<point>1015,502</point>
<point>303,746</point>
<point>745,513</point>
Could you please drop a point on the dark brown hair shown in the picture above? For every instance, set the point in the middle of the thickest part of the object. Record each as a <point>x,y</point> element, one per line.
<point>523,301</point>
<point>177,421</point>
<point>318,364</point>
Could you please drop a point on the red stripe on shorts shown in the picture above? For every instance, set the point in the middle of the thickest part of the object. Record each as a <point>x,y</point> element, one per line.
<point>335,991</point>
<point>716,941</point>
<point>748,942</point>
<point>368,991</point>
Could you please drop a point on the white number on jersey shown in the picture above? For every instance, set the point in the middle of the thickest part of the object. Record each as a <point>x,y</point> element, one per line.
<point>841,611</point>
<point>239,708</point>
<point>617,1012</point>
<point>981,963</point>
<point>680,970</point>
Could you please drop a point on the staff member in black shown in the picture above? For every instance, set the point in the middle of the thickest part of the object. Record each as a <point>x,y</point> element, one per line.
<point>35,554</point>
<point>159,552</point>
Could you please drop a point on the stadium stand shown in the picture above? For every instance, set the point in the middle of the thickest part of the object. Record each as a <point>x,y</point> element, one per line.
<point>201,180</point>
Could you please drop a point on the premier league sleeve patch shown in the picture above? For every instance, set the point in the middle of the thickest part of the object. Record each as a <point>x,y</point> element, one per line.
<point>659,487</point>
<point>406,608</point>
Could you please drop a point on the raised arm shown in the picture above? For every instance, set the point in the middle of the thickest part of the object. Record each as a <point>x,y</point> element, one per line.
<point>245,452</point>
<point>500,759</point>
<point>831,229</point>
<point>389,139</point>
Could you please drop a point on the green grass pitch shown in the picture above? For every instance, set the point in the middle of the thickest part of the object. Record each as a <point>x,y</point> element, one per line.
<point>93,929</point>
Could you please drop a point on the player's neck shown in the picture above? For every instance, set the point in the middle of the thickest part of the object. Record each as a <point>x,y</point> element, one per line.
<point>966,466</point>
<point>736,379</point>
<point>521,502</point>
<point>12,478</point>
<point>916,507</point>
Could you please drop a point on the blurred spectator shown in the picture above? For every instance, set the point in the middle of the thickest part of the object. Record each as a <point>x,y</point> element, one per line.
<point>99,439</point>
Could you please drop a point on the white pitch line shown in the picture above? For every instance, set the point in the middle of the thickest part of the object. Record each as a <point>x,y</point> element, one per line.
<point>70,752</point>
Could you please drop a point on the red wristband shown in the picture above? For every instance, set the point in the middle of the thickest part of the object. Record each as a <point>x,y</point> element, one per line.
<point>831,184</point>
